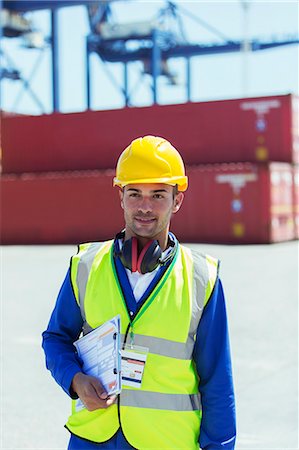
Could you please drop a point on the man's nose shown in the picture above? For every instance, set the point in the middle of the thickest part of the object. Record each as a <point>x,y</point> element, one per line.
<point>145,205</point>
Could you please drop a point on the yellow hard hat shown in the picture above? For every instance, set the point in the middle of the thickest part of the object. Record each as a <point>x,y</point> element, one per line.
<point>150,159</point>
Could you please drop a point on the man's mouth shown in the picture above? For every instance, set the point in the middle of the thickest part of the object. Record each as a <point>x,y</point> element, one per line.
<point>145,220</point>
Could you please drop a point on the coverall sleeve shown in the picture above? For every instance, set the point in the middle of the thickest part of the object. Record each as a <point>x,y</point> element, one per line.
<point>64,328</point>
<point>213,363</point>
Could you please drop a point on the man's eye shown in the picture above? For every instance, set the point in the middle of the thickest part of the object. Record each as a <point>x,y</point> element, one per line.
<point>134,194</point>
<point>158,196</point>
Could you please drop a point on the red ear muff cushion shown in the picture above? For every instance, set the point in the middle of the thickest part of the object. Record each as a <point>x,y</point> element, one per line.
<point>134,255</point>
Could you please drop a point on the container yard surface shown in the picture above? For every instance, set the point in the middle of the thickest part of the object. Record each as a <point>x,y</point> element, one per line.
<point>261,286</point>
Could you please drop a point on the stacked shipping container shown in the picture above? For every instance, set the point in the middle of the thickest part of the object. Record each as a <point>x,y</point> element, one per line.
<point>237,193</point>
<point>242,202</point>
<point>251,130</point>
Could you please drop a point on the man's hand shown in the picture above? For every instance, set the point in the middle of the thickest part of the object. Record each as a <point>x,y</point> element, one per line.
<point>91,392</point>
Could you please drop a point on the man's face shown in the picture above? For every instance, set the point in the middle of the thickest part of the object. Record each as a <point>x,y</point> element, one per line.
<point>148,209</point>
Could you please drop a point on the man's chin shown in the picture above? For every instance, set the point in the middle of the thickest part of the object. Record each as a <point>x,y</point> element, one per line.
<point>145,233</point>
<point>145,229</point>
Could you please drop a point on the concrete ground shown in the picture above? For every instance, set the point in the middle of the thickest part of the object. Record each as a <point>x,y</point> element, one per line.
<point>261,286</point>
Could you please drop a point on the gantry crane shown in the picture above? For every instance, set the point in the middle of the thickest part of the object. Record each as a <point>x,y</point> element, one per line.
<point>152,42</point>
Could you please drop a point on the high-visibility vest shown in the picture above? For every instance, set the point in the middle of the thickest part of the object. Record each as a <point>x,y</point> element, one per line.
<point>166,412</point>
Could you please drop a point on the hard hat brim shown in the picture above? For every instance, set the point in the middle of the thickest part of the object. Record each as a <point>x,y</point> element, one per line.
<point>181,182</point>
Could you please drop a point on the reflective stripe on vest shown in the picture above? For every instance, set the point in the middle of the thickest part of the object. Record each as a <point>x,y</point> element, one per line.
<point>83,272</point>
<point>157,400</point>
<point>165,347</point>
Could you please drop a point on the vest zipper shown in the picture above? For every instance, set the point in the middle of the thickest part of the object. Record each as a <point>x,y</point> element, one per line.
<point>120,425</point>
<point>126,335</point>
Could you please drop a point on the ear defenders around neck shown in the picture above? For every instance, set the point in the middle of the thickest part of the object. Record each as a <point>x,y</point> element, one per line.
<point>148,259</point>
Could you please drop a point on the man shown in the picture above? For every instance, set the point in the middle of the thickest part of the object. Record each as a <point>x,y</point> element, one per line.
<point>170,301</point>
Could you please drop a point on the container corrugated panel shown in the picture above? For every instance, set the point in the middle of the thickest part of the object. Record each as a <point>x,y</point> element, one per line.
<point>282,205</point>
<point>247,130</point>
<point>296,198</point>
<point>228,203</point>
<point>238,203</point>
<point>59,208</point>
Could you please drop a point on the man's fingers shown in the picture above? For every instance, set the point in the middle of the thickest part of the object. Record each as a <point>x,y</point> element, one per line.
<point>92,404</point>
<point>101,393</point>
<point>92,392</point>
<point>111,400</point>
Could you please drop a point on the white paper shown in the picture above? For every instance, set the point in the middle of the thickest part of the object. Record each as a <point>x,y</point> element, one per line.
<point>100,353</point>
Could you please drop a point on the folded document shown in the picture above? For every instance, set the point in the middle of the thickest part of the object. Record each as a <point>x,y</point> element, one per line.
<point>100,352</point>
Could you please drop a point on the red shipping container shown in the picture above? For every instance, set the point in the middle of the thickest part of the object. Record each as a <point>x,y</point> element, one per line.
<point>296,198</point>
<point>238,203</point>
<point>252,129</point>
<point>59,208</point>
<point>230,203</point>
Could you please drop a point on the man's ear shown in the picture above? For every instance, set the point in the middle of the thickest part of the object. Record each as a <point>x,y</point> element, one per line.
<point>121,196</point>
<point>178,200</point>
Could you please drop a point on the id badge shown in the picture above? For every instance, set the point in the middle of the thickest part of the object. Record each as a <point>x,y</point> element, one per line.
<point>133,359</point>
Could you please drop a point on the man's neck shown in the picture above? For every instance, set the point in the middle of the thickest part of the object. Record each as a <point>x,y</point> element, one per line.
<point>142,241</point>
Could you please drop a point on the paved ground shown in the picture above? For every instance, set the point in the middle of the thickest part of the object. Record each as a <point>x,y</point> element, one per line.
<point>261,285</point>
